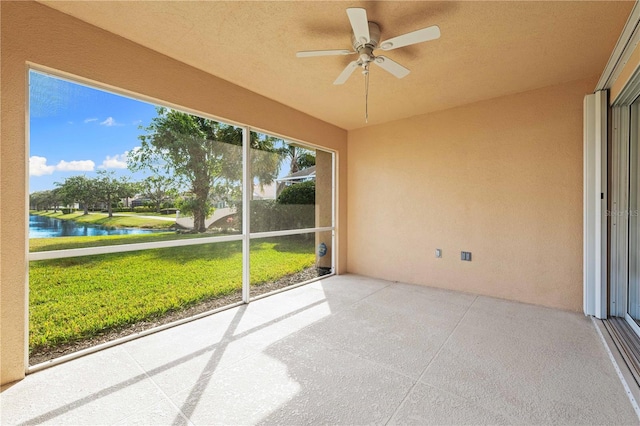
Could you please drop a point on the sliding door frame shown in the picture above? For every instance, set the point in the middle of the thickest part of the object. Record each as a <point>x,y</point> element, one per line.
<point>625,144</point>
<point>617,183</point>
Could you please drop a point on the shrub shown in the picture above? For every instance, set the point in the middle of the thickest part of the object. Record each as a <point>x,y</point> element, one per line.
<point>299,193</point>
<point>268,215</point>
<point>144,209</point>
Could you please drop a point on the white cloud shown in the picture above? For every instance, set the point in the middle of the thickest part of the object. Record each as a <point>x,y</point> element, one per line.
<point>38,166</point>
<point>118,161</point>
<point>89,120</point>
<point>75,166</point>
<point>110,121</point>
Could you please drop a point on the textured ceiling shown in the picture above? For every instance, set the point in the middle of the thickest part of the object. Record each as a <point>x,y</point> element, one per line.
<point>487,49</point>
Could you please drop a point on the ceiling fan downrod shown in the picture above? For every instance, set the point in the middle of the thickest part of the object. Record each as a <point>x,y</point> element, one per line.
<point>365,49</point>
<point>365,71</point>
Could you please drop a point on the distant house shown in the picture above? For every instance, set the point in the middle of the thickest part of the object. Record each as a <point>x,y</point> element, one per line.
<point>297,177</point>
<point>139,202</point>
<point>267,192</point>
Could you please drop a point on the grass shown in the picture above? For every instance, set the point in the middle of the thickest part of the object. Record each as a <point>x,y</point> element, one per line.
<point>77,298</point>
<point>128,221</point>
<point>63,243</point>
<point>172,215</point>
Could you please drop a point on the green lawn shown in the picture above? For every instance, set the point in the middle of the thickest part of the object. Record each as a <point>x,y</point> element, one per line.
<point>129,221</point>
<point>75,298</point>
<point>63,243</point>
<point>172,215</point>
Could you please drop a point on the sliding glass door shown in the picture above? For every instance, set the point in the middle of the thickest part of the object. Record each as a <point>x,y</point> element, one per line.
<point>633,288</point>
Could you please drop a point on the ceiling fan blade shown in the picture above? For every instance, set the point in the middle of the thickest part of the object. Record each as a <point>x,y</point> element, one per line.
<point>346,73</point>
<point>359,24</point>
<point>310,53</point>
<point>425,34</point>
<point>391,66</point>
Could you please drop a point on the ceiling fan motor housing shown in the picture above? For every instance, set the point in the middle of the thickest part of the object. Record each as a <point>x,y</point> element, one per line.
<point>365,50</point>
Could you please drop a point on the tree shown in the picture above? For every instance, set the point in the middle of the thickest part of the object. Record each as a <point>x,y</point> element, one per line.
<point>44,200</point>
<point>54,198</point>
<point>78,189</point>
<point>109,189</point>
<point>265,160</point>
<point>306,160</point>
<point>202,154</point>
<point>184,146</point>
<point>158,189</point>
<point>129,190</point>
<point>35,200</point>
<point>299,158</point>
<point>265,156</point>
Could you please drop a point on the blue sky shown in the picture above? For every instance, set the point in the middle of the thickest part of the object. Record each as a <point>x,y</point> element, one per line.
<point>75,129</point>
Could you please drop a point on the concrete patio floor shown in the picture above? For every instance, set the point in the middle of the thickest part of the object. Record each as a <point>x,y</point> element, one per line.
<point>343,350</point>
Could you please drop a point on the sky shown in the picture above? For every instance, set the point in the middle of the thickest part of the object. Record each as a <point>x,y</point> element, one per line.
<point>75,129</point>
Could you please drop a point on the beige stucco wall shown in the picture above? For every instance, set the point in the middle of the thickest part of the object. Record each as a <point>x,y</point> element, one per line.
<point>34,33</point>
<point>501,178</point>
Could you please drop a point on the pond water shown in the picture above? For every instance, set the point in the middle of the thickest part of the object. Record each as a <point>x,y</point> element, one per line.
<point>46,227</point>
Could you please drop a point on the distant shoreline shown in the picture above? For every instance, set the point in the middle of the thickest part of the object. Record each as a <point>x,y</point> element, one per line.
<point>116,221</point>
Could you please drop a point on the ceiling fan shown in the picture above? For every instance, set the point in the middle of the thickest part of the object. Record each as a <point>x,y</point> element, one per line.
<point>365,40</point>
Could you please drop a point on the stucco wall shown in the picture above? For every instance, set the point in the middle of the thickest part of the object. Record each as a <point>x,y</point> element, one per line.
<point>34,33</point>
<point>501,178</point>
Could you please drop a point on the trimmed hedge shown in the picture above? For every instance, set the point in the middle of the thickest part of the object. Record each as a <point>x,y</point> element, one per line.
<point>144,209</point>
<point>267,215</point>
<point>299,193</point>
